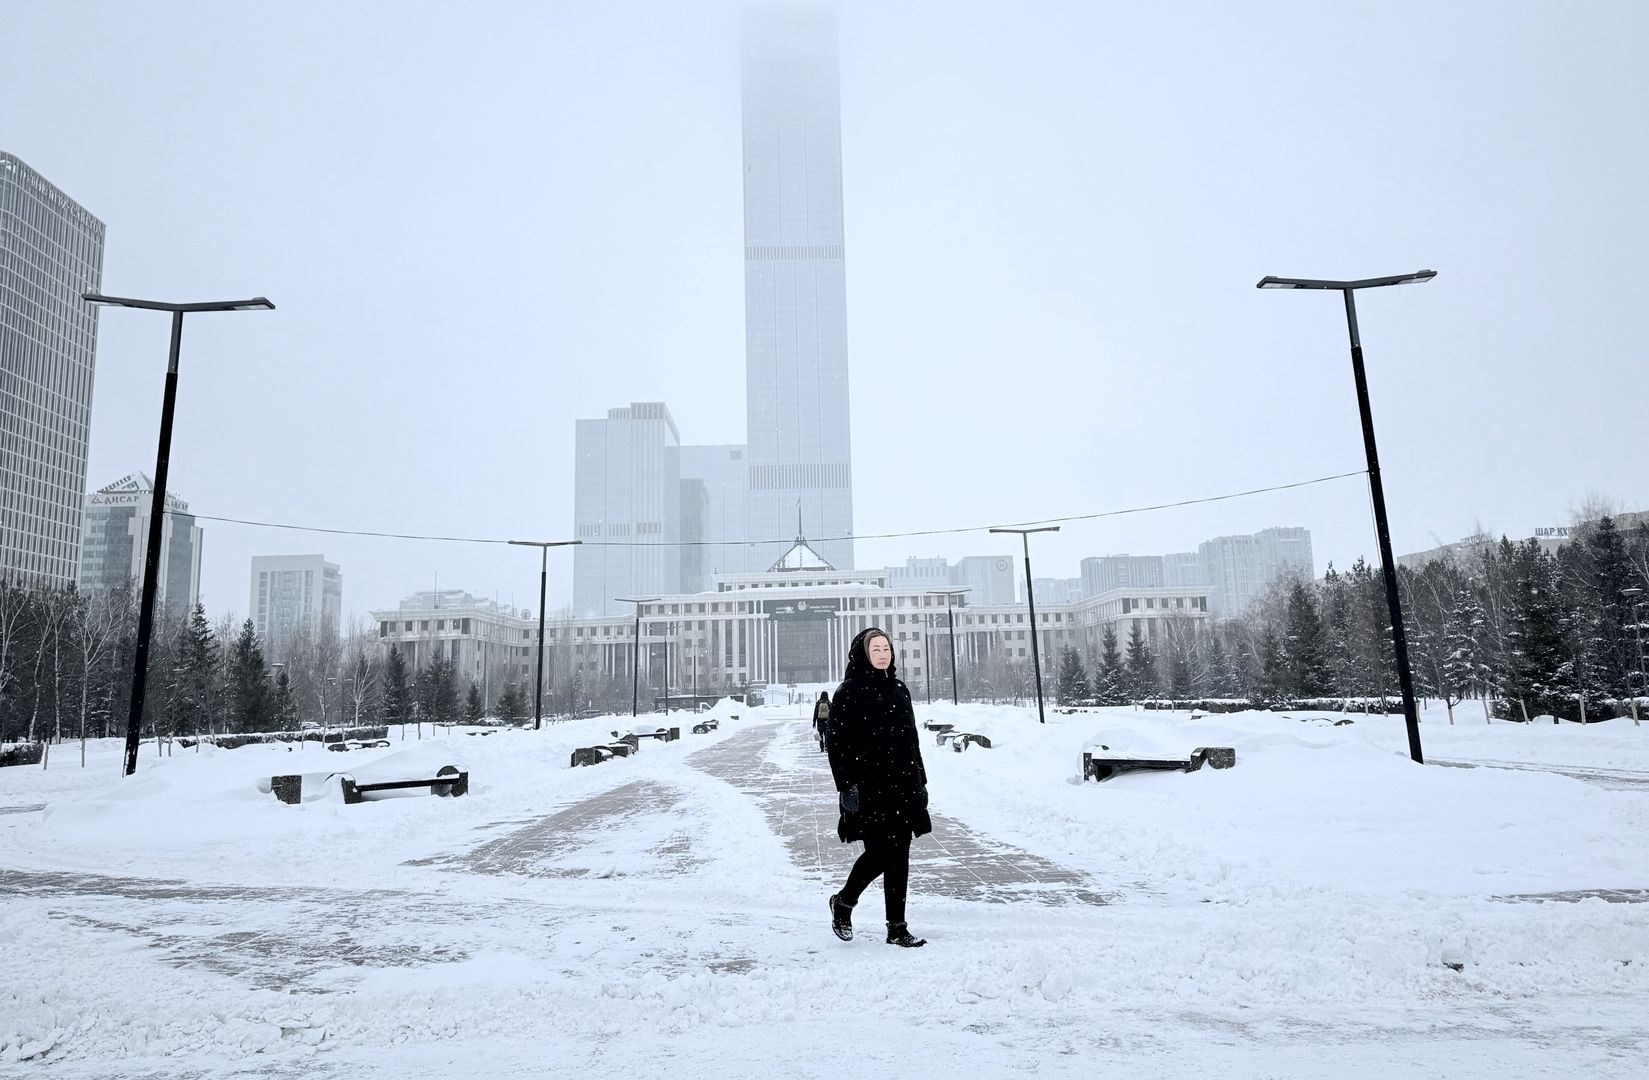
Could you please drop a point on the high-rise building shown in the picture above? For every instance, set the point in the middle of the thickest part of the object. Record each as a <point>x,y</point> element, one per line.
<point>713,484</point>
<point>117,537</point>
<point>51,251</point>
<point>1051,590</point>
<point>1182,568</point>
<point>293,593</point>
<point>989,579</point>
<point>626,508</point>
<point>1102,573</point>
<point>1241,568</point>
<point>920,573</point>
<point>796,389</point>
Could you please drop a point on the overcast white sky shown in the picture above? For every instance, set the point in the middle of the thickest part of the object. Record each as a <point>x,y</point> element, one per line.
<point>480,225</point>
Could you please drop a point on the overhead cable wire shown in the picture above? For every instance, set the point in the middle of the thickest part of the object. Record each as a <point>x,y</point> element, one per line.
<point>812,540</point>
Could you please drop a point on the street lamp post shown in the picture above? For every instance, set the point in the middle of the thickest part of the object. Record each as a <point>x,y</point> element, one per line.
<point>157,511</point>
<point>635,653</point>
<point>669,641</point>
<point>1030,600</point>
<point>1399,639</point>
<point>1632,595</point>
<point>543,547</point>
<point>950,616</point>
<point>927,645</point>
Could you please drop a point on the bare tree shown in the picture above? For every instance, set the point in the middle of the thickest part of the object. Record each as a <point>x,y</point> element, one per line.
<point>102,617</point>
<point>363,665</point>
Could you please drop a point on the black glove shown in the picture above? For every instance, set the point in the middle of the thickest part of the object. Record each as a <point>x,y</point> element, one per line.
<point>850,800</point>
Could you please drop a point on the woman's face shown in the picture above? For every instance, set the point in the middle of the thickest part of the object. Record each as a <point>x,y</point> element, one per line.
<point>880,651</point>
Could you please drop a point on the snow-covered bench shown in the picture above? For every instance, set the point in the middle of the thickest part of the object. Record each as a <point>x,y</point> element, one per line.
<point>1124,750</point>
<point>961,740</point>
<point>449,780</point>
<point>294,788</point>
<point>595,755</point>
<point>358,744</point>
<point>1102,764</point>
<point>661,734</point>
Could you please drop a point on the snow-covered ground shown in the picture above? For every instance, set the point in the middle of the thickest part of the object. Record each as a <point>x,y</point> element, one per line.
<point>1325,909</point>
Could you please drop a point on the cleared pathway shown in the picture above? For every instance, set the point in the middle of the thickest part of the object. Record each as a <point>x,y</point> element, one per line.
<point>953,861</point>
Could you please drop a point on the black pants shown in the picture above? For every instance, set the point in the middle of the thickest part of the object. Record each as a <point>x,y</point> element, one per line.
<point>889,858</point>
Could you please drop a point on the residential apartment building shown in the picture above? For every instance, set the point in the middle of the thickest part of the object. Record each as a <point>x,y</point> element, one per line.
<point>293,595</point>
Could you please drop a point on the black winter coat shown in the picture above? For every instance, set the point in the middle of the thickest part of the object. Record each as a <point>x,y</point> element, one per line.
<point>872,741</point>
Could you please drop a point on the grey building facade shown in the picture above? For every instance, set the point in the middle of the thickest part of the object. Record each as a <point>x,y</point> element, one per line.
<point>714,480</point>
<point>989,579</point>
<point>293,593</point>
<point>116,537</point>
<point>51,251</point>
<point>626,508</point>
<point>1102,573</point>
<point>1240,568</point>
<point>796,375</point>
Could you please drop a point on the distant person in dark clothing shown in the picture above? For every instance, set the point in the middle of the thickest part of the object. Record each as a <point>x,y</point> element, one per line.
<point>821,716</point>
<point>876,760</point>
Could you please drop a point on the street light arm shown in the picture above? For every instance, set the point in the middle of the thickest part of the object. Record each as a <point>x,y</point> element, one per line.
<point>1272,281</point>
<point>256,303</point>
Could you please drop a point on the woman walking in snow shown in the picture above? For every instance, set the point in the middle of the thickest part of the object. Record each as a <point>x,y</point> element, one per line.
<point>881,785</point>
<point>821,714</point>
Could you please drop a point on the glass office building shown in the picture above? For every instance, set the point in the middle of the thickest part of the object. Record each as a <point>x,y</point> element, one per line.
<point>795,304</point>
<point>116,536</point>
<point>626,508</point>
<point>51,251</point>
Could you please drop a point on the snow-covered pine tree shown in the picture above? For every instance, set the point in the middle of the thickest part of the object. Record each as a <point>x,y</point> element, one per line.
<point>286,706</point>
<point>1139,669</point>
<point>1304,646</point>
<point>511,706</point>
<point>397,691</point>
<point>1071,684</point>
<point>251,705</point>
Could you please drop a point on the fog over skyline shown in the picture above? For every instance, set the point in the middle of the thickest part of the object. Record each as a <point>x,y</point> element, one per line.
<point>479,226</point>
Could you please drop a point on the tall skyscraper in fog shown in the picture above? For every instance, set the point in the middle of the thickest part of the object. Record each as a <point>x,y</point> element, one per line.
<point>795,288</point>
<point>51,251</point>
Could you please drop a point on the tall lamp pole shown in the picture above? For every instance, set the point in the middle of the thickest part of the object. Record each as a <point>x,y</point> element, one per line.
<point>157,510</point>
<point>1388,566</point>
<point>543,547</point>
<point>1632,595</point>
<point>635,652</point>
<point>950,616</point>
<point>1030,600</point>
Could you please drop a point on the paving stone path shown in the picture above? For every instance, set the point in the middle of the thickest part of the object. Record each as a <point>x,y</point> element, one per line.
<point>1613,779</point>
<point>589,837</point>
<point>952,861</point>
<point>279,938</point>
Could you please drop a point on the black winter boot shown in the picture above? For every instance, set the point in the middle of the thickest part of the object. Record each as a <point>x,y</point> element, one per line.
<point>899,934</point>
<point>841,917</point>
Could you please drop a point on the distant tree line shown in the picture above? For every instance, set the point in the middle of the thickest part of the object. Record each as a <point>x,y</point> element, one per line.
<point>1526,631</point>
<point>66,659</point>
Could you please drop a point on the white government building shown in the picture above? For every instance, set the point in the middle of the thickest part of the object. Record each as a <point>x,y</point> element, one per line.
<point>789,625</point>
